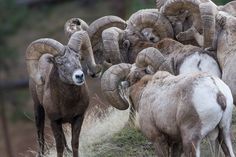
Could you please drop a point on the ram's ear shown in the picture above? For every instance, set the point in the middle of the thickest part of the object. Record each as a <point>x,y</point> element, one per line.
<point>51,59</point>
<point>149,70</point>
<point>125,84</point>
<point>167,66</point>
<point>123,91</point>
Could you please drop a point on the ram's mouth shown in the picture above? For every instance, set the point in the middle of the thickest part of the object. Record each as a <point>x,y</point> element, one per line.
<point>79,83</point>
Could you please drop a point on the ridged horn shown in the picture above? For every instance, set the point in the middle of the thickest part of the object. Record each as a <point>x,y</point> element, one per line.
<point>208,12</point>
<point>111,38</point>
<point>74,24</point>
<point>160,3</point>
<point>149,19</point>
<point>150,57</point>
<point>98,26</point>
<point>229,8</point>
<point>35,50</point>
<point>80,43</point>
<point>109,84</point>
<point>173,8</point>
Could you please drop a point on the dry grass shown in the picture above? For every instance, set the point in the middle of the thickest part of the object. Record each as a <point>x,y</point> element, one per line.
<point>111,137</point>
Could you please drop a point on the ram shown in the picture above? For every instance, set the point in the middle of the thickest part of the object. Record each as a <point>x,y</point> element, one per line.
<point>73,25</point>
<point>174,111</point>
<point>148,28</point>
<point>95,30</point>
<point>224,44</point>
<point>57,85</point>
<point>188,58</point>
<point>144,29</point>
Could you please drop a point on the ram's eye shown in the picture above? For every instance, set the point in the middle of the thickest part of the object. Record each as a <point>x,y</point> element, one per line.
<point>126,44</point>
<point>146,71</point>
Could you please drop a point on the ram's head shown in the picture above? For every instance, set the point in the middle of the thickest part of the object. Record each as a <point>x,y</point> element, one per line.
<point>73,25</point>
<point>191,20</point>
<point>144,29</point>
<point>66,59</point>
<point>147,62</point>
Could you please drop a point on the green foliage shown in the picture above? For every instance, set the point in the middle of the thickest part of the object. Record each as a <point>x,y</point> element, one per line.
<point>11,17</point>
<point>221,2</point>
<point>140,4</point>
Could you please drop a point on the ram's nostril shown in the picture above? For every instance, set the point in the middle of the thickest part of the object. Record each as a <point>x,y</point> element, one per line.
<point>79,76</point>
<point>152,39</point>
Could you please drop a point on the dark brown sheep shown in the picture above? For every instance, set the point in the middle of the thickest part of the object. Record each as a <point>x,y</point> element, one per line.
<point>58,87</point>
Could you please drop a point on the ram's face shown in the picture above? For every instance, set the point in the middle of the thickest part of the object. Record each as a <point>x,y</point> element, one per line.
<point>138,42</point>
<point>136,74</point>
<point>149,35</point>
<point>69,68</point>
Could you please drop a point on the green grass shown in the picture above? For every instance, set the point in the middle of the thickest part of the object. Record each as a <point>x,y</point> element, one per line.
<point>129,142</point>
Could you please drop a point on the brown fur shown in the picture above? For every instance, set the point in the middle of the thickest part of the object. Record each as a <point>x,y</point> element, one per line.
<point>180,128</point>
<point>221,101</point>
<point>62,103</point>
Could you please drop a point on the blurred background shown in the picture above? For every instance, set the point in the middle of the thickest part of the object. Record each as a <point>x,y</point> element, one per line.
<point>21,22</point>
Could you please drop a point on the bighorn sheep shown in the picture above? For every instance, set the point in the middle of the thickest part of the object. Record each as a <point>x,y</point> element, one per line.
<point>144,29</point>
<point>189,15</point>
<point>230,8</point>
<point>224,43</point>
<point>187,58</point>
<point>174,111</point>
<point>95,30</point>
<point>197,19</point>
<point>57,85</point>
<point>226,50</point>
<point>73,25</point>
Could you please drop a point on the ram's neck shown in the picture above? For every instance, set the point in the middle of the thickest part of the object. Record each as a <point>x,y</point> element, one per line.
<point>136,91</point>
<point>60,89</point>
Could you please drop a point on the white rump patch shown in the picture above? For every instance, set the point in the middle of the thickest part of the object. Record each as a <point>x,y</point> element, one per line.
<point>206,105</point>
<point>200,63</point>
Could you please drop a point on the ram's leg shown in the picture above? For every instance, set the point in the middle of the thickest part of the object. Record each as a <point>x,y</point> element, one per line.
<point>58,135</point>
<point>191,139</point>
<point>191,147</point>
<point>76,127</point>
<point>225,141</point>
<point>186,35</point>
<point>40,120</point>
<point>214,144</point>
<point>176,150</point>
<point>66,146</point>
<point>190,34</point>
<point>161,146</point>
<point>39,114</point>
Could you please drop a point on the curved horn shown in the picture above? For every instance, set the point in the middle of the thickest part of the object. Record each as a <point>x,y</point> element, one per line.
<point>110,82</point>
<point>174,7</point>
<point>35,50</point>
<point>147,19</point>
<point>150,56</point>
<point>111,38</point>
<point>229,8</point>
<point>96,28</point>
<point>80,43</point>
<point>160,3</point>
<point>208,12</point>
<point>74,24</point>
